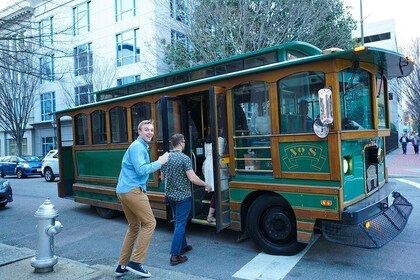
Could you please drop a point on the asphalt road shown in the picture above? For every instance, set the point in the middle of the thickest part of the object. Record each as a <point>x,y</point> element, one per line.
<point>92,240</point>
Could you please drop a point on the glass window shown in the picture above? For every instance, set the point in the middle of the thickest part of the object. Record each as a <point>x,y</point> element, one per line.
<point>12,147</point>
<point>47,105</point>
<point>48,144</point>
<point>381,83</point>
<point>140,112</point>
<point>179,39</point>
<point>81,129</point>
<point>125,9</point>
<point>298,101</point>
<point>118,116</point>
<point>98,119</point>
<point>83,59</point>
<point>128,47</point>
<point>83,95</point>
<point>127,80</point>
<point>179,10</point>
<point>252,127</point>
<point>81,18</point>
<point>45,29</point>
<point>355,99</point>
<point>47,68</point>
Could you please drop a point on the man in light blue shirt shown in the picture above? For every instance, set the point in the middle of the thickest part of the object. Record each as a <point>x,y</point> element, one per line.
<point>131,191</point>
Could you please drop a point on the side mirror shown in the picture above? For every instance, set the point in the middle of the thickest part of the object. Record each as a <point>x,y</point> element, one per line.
<point>320,125</point>
<point>325,106</point>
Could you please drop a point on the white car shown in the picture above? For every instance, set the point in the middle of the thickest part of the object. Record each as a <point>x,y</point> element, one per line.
<point>50,166</point>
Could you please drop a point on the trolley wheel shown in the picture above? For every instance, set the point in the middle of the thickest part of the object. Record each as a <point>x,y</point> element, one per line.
<point>105,212</point>
<point>271,224</point>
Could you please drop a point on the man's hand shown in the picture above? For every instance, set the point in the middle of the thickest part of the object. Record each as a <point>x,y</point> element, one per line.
<point>207,187</point>
<point>163,158</point>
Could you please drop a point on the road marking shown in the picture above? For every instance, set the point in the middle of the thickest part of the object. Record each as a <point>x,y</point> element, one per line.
<point>269,267</point>
<point>417,185</point>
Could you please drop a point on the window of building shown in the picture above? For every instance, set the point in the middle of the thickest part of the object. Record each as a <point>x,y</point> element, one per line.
<point>45,30</point>
<point>179,10</point>
<point>48,144</point>
<point>99,127</point>
<point>381,109</point>
<point>83,95</point>
<point>81,129</point>
<point>118,117</point>
<point>299,106</point>
<point>81,18</point>
<point>12,146</point>
<point>128,47</point>
<point>47,68</point>
<point>83,59</point>
<point>47,105</point>
<point>179,39</point>
<point>127,80</point>
<point>125,9</point>
<point>355,99</point>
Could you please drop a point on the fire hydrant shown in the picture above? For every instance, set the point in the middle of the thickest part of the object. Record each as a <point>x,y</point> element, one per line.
<point>47,226</point>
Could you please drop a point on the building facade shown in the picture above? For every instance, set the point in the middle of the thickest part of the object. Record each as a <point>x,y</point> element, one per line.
<point>86,46</point>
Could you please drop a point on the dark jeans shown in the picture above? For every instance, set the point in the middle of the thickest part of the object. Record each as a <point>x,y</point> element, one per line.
<point>181,210</point>
<point>404,148</point>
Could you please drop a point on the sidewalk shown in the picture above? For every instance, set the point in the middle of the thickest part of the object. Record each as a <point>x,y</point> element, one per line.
<point>15,263</point>
<point>403,166</point>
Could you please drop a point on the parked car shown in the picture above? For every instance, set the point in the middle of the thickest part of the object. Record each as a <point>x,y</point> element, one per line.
<point>14,165</point>
<point>6,194</point>
<point>50,166</point>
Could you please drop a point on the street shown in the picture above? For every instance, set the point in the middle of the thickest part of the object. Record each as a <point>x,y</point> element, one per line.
<point>89,239</point>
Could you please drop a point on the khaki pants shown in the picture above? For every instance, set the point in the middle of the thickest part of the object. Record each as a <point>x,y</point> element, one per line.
<point>139,214</point>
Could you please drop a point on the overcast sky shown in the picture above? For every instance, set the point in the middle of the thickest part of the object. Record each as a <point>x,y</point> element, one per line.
<point>405,12</point>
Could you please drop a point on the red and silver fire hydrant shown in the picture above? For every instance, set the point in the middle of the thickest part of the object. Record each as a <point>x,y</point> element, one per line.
<point>47,226</point>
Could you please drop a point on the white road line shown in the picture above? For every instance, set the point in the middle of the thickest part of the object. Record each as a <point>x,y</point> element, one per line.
<point>269,267</point>
<point>417,185</point>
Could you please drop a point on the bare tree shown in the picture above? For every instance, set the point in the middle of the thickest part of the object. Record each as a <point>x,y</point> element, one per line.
<point>410,86</point>
<point>99,77</point>
<point>17,95</point>
<point>208,30</point>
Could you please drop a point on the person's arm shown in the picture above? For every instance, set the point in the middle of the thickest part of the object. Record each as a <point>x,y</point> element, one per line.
<point>139,158</point>
<point>196,180</point>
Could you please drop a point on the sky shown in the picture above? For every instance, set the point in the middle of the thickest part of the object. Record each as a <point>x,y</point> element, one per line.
<point>406,14</point>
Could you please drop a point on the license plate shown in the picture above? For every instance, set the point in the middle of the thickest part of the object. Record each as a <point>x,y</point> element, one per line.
<point>39,169</point>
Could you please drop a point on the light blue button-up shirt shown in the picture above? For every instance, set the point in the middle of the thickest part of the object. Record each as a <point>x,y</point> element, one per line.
<point>136,167</point>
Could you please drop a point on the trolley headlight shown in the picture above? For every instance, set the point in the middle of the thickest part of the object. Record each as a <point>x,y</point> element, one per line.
<point>347,165</point>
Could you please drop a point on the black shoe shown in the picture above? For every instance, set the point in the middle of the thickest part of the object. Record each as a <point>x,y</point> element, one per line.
<point>178,259</point>
<point>138,269</point>
<point>186,249</point>
<point>121,270</point>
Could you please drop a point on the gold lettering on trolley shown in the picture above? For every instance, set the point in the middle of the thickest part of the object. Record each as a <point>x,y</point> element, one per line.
<point>304,157</point>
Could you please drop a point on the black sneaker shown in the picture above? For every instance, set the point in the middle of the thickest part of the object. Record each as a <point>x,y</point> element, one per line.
<point>121,270</point>
<point>138,269</point>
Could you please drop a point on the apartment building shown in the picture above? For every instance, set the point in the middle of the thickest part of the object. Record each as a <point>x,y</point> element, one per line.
<point>86,46</point>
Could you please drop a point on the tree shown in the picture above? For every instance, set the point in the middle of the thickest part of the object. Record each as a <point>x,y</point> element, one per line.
<point>209,30</point>
<point>410,85</point>
<point>17,95</point>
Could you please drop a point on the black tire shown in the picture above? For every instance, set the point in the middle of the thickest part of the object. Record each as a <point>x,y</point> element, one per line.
<point>49,175</point>
<point>1,174</point>
<point>3,204</point>
<point>19,174</point>
<point>105,212</point>
<point>271,224</point>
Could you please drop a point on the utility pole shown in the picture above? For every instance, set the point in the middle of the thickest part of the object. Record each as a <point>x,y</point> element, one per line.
<point>362,40</point>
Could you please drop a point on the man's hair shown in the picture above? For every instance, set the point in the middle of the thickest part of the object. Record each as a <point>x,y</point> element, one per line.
<point>144,123</point>
<point>176,139</point>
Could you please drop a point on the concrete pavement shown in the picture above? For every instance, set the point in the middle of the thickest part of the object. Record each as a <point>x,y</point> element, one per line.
<point>15,262</point>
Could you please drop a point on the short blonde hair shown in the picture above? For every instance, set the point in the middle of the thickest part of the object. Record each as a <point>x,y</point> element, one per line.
<point>144,123</point>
